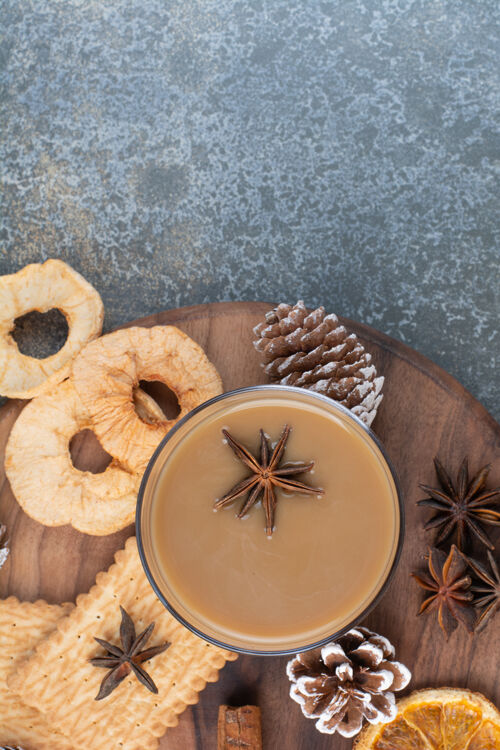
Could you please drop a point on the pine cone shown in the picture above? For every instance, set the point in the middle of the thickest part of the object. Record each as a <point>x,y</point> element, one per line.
<point>4,547</point>
<point>346,681</point>
<point>314,351</point>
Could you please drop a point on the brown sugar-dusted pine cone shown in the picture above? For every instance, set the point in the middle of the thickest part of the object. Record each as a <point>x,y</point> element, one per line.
<point>312,350</point>
<point>348,680</point>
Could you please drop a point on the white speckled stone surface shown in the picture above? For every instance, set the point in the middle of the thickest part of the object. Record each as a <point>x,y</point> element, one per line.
<point>200,150</point>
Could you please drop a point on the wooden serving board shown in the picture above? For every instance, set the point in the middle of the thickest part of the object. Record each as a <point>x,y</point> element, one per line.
<point>424,412</point>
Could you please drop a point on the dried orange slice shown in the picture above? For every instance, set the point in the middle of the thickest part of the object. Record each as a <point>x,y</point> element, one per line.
<point>106,375</point>
<point>42,287</point>
<point>437,719</point>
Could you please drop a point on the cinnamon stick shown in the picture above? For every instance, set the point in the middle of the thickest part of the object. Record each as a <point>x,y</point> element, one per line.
<point>239,728</point>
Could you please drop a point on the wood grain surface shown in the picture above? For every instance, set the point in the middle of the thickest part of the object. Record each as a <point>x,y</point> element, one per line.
<point>424,412</point>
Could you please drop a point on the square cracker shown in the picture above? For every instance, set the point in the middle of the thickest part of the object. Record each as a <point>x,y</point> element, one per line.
<point>22,626</point>
<point>60,682</point>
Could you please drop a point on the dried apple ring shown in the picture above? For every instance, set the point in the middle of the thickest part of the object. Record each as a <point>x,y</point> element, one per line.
<point>147,408</point>
<point>106,372</point>
<point>43,479</point>
<point>42,287</point>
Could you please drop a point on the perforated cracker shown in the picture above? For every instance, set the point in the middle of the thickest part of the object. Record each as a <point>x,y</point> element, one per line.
<point>59,680</point>
<point>22,626</point>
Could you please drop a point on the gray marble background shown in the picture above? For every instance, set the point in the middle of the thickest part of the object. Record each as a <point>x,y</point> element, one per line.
<point>184,151</point>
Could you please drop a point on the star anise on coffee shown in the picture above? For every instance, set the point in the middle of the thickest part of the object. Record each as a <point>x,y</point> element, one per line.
<point>268,474</point>
<point>462,507</point>
<point>449,585</point>
<point>487,592</point>
<point>122,661</point>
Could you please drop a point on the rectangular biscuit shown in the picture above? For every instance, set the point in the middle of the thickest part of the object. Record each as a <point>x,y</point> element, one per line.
<point>59,681</point>
<point>22,626</point>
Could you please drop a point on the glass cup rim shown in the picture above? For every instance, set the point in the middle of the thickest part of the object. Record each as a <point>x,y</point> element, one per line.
<point>337,633</point>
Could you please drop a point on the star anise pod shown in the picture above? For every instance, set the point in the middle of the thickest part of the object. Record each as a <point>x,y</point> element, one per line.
<point>450,587</point>
<point>462,508</point>
<point>267,475</point>
<point>122,661</point>
<point>488,599</point>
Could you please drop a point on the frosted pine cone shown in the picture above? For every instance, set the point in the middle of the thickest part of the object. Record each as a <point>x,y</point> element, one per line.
<point>312,350</point>
<point>4,547</point>
<point>347,681</point>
